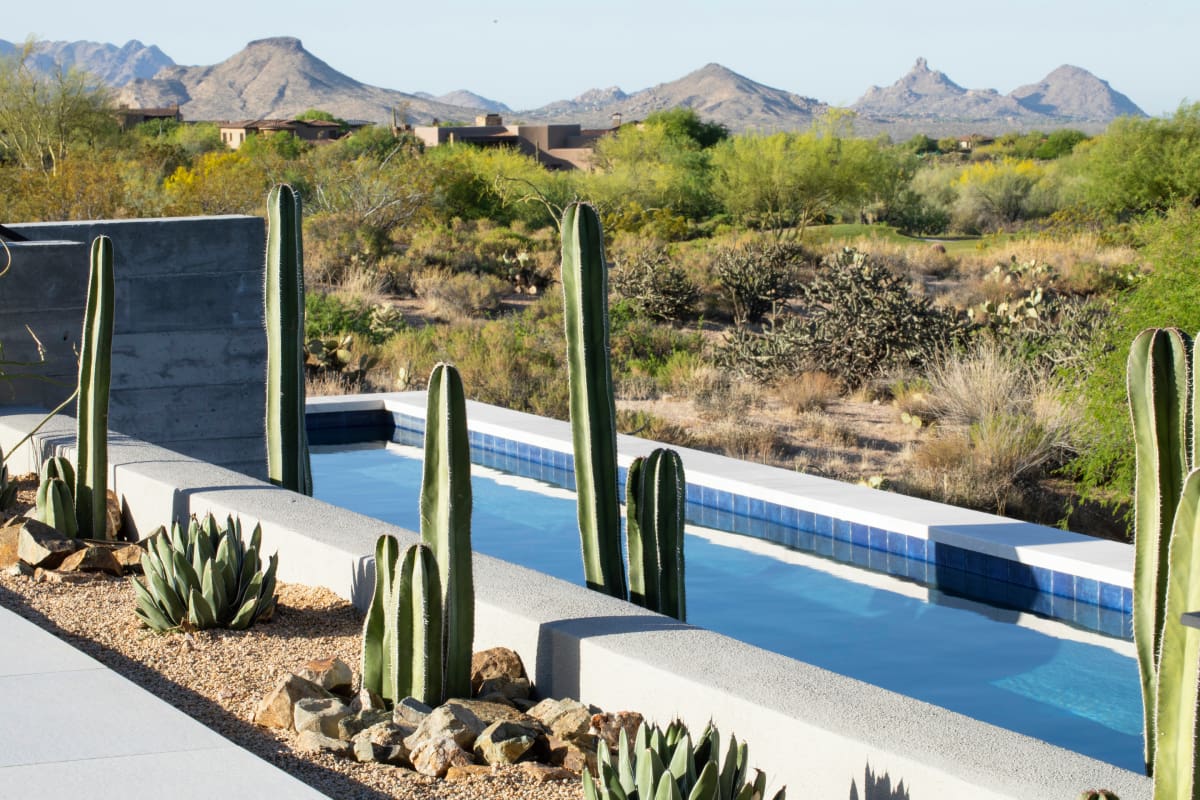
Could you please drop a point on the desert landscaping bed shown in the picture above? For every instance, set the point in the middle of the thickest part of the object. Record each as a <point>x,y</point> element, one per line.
<point>219,676</point>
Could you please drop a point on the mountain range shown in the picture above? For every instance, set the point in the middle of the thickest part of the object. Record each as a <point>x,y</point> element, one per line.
<point>279,78</point>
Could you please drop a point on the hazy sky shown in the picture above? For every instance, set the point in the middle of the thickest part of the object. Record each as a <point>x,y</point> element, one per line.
<point>527,53</point>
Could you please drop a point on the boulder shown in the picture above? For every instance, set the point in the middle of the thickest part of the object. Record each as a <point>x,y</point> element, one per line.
<point>40,545</point>
<point>321,714</point>
<point>129,556</point>
<point>277,709</point>
<point>313,742</point>
<point>436,756</point>
<point>506,742</point>
<point>498,662</point>
<point>449,721</point>
<point>567,719</point>
<point>488,712</point>
<point>367,749</point>
<point>350,726</point>
<point>410,711</point>
<point>388,734</point>
<point>92,559</point>
<point>330,674</point>
<point>573,756</point>
<point>468,772</point>
<point>367,700</point>
<point>112,516</point>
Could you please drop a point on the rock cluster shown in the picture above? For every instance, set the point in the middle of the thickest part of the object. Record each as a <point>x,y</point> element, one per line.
<point>30,547</point>
<point>502,724</point>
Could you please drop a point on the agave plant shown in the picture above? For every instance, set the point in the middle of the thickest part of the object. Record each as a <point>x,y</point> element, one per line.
<point>204,576</point>
<point>665,764</point>
<point>56,496</point>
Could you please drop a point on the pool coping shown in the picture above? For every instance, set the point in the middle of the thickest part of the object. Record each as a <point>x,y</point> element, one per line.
<point>1073,575</point>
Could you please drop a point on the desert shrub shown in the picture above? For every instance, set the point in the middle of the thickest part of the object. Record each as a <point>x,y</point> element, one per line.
<point>328,314</point>
<point>678,372</point>
<point>654,285</point>
<point>639,344</point>
<point>758,278</point>
<point>999,427</point>
<point>651,426</point>
<point>457,295</point>
<point>747,441</point>
<point>861,319</point>
<point>807,391</point>
<point>1167,295</point>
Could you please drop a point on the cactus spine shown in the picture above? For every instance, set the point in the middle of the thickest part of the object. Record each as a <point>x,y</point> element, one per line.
<point>593,411</point>
<point>446,520</point>
<point>95,370</point>
<point>287,440</point>
<point>655,491</point>
<point>1158,385</point>
<point>402,634</point>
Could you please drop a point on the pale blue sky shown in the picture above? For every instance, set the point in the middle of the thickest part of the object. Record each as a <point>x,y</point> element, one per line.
<point>529,53</point>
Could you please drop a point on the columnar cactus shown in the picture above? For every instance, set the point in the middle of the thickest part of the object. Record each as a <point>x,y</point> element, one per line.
<point>446,520</point>
<point>593,410</point>
<point>283,296</point>
<point>402,634</point>
<point>95,369</point>
<point>655,491</point>
<point>1158,379</point>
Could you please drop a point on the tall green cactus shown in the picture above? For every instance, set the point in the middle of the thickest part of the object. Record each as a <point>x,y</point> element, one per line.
<point>402,634</point>
<point>1176,712</point>
<point>95,370</point>
<point>656,497</point>
<point>593,410</point>
<point>1158,380</point>
<point>446,520</point>
<point>283,296</point>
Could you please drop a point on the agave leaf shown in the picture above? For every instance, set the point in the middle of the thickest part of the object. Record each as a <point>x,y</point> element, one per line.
<point>707,784</point>
<point>730,781</point>
<point>681,758</point>
<point>667,790</point>
<point>624,763</point>
<point>245,615</point>
<point>612,783</point>
<point>166,597</point>
<point>148,609</point>
<point>226,564</point>
<point>200,613</point>
<point>649,770</point>
<point>589,787</point>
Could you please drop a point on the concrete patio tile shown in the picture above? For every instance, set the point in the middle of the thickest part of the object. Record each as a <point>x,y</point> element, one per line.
<point>91,714</point>
<point>192,775</point>
<point>30,650</point>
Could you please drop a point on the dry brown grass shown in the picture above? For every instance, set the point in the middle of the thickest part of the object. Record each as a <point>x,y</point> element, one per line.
<point>807,391</point>
<point>458,295</point>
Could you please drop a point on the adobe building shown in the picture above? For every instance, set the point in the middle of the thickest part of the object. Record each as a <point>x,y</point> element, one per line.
<point>555,146</point>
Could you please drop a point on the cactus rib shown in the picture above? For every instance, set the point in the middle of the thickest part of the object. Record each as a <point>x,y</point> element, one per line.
<point>95,370</point>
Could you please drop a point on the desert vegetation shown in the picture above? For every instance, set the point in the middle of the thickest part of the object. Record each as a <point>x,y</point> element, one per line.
<point>930,319</point>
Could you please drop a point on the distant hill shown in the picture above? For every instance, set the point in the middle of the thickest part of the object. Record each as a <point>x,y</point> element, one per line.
<point>115,66</point>
<point>926,100</point>
<point>278,78</point>
<point>715,93</point>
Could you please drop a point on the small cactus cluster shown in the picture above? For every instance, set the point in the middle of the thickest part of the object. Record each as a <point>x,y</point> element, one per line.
<point>666,764</point>
<point>420,626</point>
<point>337,354</point>
<point>56,496</point>
<point>205,576</point>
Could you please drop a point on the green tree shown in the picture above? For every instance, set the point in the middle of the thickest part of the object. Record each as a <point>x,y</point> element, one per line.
<point>1142,165</point>
<point>684,124</point>
<point>43,117</point>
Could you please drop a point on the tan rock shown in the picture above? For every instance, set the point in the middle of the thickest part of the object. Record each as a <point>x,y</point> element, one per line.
<point>54,576</point>
<point>609,726</point>
<point>506,742</point>
<point>320,714</point>
<point>9,535</point>
<point>331,674</point>
<point>468,772</point>
<point>313,742</point>
<point>449,721</point>
<point>40,545</point>
<point>498,662</point>
<point>543,773</point>
<point>435,757</point>
<point>129,556</point>
<point>571,755</point>
<point>566,718</point>
<point>112,514</point>
<point>277,709</point>
<point>92,559</point>
<point>488,712</point>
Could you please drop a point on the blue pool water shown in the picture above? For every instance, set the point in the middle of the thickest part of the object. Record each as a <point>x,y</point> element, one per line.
<point>1071,688</point>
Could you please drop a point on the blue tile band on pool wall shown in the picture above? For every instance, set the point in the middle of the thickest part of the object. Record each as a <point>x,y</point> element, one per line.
<point>1089,603</point>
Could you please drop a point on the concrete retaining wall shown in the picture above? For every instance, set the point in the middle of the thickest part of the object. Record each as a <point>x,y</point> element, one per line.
<point>188,343</point>
<point>814,730</point>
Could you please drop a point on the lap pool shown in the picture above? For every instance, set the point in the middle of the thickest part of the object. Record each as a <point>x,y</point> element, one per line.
<point>1074,688</point>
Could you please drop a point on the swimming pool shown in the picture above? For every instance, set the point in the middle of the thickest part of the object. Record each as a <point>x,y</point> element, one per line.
<point>1038,677</point>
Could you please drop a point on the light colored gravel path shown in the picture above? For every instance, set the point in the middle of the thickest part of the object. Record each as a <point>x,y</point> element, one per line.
<point>218,677</point>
